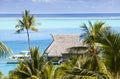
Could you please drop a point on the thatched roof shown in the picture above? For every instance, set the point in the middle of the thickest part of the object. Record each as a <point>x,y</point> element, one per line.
<point>62,43</point>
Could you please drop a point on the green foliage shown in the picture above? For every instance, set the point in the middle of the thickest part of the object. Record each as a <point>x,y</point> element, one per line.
<point>78,70</point>
<point>48,71</point>
<point>92,32</point>
<point>1,75</point>
<point>4,50</point>
<point>111,52</point>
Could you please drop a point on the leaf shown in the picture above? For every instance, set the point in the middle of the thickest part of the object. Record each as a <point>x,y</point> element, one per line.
<point>34,29</point>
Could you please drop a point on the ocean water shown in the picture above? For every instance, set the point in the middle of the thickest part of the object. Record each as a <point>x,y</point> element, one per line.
<point>48,25</point>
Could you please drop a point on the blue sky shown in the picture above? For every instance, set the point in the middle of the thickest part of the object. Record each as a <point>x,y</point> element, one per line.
<point>60,6</point>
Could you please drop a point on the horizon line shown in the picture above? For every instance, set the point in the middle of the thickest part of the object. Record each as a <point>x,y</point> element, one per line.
<point>71,13</point>
<point>63,14</point>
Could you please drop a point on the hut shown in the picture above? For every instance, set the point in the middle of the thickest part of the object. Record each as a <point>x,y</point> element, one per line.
<point>59,48</point>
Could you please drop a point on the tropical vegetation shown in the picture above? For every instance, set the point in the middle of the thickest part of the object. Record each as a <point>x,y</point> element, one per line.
<point>35,68</point>
<point>100,59</point>
<point>111,52</point>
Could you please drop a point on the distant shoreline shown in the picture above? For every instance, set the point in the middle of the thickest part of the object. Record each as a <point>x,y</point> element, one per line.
<point>67,15</point>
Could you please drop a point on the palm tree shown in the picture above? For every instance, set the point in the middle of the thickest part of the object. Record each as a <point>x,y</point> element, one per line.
<point>27,22</point>
<point>110,42</point>
<point>90,36</point>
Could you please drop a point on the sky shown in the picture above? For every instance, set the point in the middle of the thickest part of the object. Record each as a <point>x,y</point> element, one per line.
<point>60,6</point>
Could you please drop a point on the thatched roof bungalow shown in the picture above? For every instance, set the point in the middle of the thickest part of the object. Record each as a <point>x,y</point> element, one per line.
<point>61,44</point>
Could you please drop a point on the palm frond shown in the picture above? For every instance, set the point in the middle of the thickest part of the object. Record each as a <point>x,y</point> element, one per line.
<point>21,23</point>
<point>86,73</point>
<point>110,44</point>
<point>32,20</point>
<point>99,25</point>
<point>4,50</point>
<point>91,25</point>
<point>78,49</point>
<point>85,29</point>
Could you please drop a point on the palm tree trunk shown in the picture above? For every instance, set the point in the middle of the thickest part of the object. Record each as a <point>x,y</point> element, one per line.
<point>28,39</point>
<point>94,56</point>
<point>115,76</point>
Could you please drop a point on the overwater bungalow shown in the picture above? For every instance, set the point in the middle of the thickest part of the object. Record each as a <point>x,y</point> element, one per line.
<point>61,44</point>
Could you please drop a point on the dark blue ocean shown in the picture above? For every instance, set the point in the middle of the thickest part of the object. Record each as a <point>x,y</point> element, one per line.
<point>67,15</point>
<point>18,46</point>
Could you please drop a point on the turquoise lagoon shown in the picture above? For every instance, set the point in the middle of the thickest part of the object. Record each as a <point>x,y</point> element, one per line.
<point>47,26</point>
